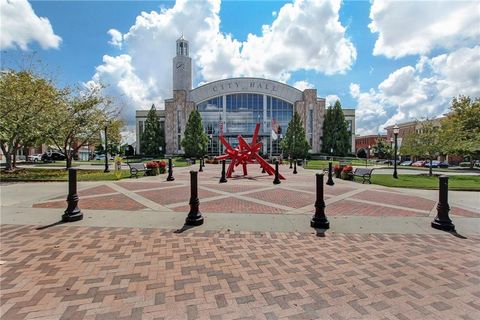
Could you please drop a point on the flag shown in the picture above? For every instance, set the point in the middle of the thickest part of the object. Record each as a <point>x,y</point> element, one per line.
<point>274,130</point>
<point>220,127</point>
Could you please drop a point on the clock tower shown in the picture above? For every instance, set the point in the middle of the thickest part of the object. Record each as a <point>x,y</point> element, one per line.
<point>182,67</point>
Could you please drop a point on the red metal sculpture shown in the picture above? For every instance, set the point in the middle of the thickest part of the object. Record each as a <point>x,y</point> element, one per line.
<point>244,154</point>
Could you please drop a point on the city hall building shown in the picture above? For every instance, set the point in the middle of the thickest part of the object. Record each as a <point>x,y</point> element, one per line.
<point>234,106</point>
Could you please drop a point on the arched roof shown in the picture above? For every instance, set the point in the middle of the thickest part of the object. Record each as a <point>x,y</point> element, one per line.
<point>245,85</point>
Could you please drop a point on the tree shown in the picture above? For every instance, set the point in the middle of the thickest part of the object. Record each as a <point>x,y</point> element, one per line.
<point>28,103</point>
<point>424,143</point>
<point>295,143</point>
<point>195,140</point>
<point>335,131</point>
<point>153,136</point>
<point>79,120</point>
<point>461,128</point>
<point>382,149</point>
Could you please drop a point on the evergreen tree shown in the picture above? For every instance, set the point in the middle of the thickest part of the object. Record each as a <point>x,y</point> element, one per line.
<point>295,143</point>
<point>195,140</point>
<point>153,136</point>
<point>335,131</point>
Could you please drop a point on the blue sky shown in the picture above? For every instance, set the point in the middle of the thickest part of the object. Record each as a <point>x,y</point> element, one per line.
<point>399,69</point>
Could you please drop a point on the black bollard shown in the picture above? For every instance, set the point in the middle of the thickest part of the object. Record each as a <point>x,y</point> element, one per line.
<point>72,213</point>
<point>442,220</point>
<point>291,164</point>
<point>263,169</point>
<point>170,170</point>
<point>295,167</point>
<point>330,175</point>
<point>319,220</point>
<point>201,165</point>
<point>276,180</point>
<point>194,217</point>
<point>223,179</point>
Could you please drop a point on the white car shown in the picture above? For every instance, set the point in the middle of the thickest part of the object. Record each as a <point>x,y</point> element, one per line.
<point>35,157</point>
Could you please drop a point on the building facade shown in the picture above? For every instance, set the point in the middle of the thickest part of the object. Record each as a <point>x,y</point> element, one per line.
<point>367,142</point>
<point>234,106</point>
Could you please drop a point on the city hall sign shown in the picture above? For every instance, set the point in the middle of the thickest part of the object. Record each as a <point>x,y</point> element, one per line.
<point>245,85</point>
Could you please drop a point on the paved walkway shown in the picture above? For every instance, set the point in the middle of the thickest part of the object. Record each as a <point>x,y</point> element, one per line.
<point>254,258</point>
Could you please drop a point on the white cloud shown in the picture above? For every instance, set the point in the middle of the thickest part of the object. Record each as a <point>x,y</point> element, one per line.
<point>302,85</point>
<point>418,27</point>
<point>331,99</point>
<point>274,13</point>
<point>21,26</point>
<point>304,35</point>
<point>117,38</point>
<point>420,91</point>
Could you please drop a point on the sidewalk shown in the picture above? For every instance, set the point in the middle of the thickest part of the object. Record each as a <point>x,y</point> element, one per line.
<point>255,257</point>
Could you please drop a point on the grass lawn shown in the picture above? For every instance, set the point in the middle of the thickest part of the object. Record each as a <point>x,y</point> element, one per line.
<point>426,182</point>
<point>323,164</point>
<point>37,174</point>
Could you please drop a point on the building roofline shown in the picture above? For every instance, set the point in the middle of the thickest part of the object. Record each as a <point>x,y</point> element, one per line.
<point>243,78</point>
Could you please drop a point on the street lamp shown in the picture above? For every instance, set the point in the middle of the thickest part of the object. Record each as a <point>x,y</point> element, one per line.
<point>391,147</point>
<point>395,133</point>
<point>106,151</point>
<point>368,154</point>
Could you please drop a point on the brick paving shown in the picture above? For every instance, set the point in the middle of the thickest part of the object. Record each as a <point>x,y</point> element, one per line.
<point>71,272</point>
<point>255,194</point>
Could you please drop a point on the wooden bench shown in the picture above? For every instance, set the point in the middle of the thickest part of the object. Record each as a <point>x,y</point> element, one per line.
<point>365,173</point>
<point>137,167</point>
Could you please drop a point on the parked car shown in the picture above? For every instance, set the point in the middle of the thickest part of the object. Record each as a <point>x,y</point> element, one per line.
<point>389,162</point>
<point>35,157</point>
<point>433,164</point>
<point>420,163</point>
<point>443,165</point>
<point>102,157</point>
<point>53,156</point>
<point>406,163</point>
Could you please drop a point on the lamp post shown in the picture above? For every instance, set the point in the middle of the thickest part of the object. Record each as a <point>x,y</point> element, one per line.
<point>395,133</point>
<point>368,154</point>
<point>106,151</point>
<point>391,147</point>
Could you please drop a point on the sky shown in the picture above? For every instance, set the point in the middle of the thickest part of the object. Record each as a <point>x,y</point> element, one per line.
<point>392,61</point>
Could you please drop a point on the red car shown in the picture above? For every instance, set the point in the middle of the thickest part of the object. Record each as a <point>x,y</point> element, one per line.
<point>420,163</point>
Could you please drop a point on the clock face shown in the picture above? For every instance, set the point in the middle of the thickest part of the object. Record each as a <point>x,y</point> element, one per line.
<point>180,66</point>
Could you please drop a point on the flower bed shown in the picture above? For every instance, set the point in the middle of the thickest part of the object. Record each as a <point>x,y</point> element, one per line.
<point>154,168</point>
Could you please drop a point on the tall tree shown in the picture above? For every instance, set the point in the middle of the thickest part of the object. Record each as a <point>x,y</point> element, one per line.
<point>79,120</point>
<point>195,140</point>
<point>28,103</point>
<point>153,136</point>
<point>461,128</point>
<point>295,143</point>
<point>382,149</point>
<point>425,143</point>
<point>335,131</point>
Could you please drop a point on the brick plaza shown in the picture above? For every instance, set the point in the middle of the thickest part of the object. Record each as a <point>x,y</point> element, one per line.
<point>86,270</point>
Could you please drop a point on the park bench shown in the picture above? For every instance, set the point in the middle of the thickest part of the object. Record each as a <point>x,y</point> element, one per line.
<point>137,167</point>
<point>365,173</point>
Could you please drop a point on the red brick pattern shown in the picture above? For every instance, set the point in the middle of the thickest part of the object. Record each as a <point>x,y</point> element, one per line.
<point>353,208</point>
<point>396,199</point>
<point>174,195</point>
<point>233,188</point>
<point>67,272</point>
<point>232,205</point>
<point>464,213</point>
<point>132,186</point>
<point>101,189</point>
<point>292,199</point>
<point>110,202</point>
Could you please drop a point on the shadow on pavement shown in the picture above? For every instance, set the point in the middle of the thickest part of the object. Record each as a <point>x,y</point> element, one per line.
<point>51,225</point>
<point>184,228</point>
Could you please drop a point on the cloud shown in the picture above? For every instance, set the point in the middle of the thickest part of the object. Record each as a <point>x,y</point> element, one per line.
<point>117,38</point>
<point>418,27</point>
<point>305,35</point>
<point>21,26</point>
<point>302,85</point>
<point>420,91</point>
<point>331,99</point>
